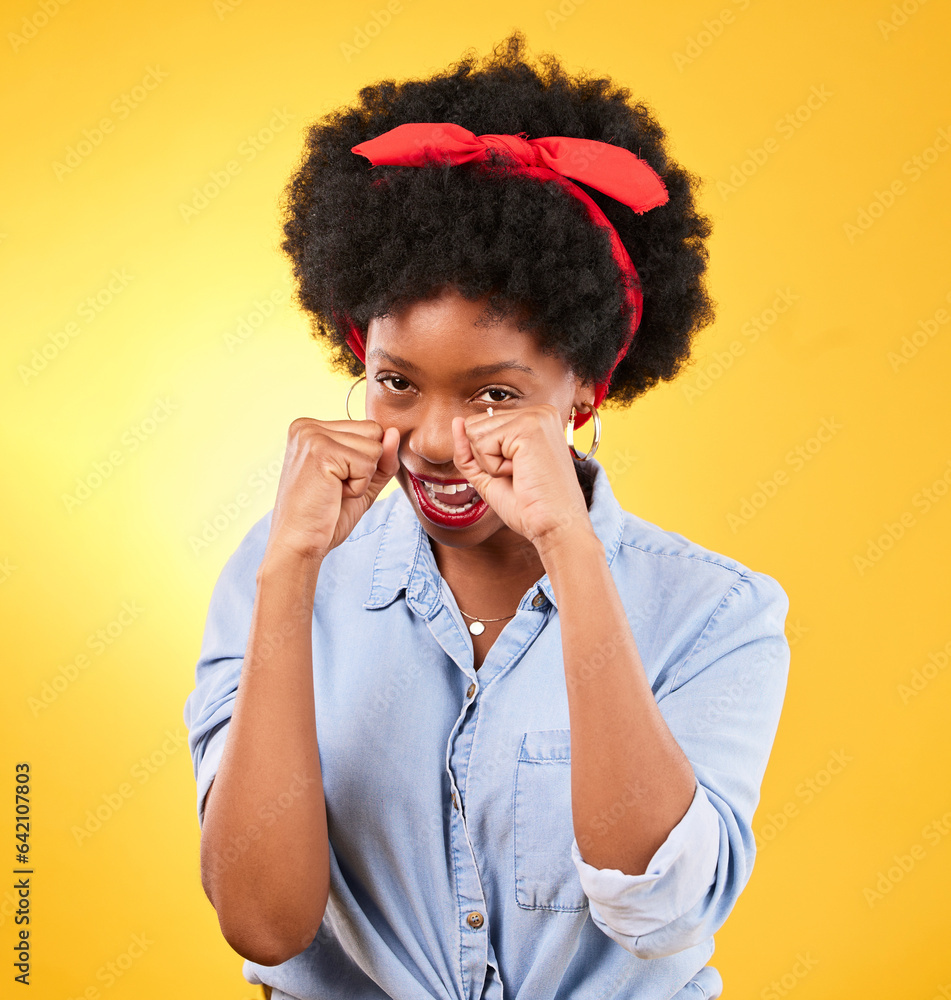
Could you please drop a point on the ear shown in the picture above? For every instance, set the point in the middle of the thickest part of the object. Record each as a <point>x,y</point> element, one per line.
<point>584,396</point>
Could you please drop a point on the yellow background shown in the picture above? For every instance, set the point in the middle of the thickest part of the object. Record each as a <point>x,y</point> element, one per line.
<point>164,342</point>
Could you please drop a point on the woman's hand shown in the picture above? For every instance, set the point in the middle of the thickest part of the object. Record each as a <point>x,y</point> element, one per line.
<point>333,471</point>
<point>519,463</point>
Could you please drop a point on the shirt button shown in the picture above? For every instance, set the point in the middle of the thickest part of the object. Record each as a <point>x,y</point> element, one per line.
<point>474,920</point>
<point>455,804</point>
<point>470,690</point>
<point>538,600</point>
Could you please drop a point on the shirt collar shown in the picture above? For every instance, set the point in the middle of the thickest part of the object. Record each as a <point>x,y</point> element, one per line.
<point>404,559</point>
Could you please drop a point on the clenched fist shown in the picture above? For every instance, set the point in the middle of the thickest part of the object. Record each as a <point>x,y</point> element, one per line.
<point>333,471</point>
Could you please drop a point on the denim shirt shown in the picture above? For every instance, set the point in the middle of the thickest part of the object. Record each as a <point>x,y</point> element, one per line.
<point>454,870</point>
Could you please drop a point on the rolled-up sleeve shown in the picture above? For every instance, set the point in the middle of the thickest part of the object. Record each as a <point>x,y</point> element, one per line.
<point>209,706</point>
<point>723,709</point>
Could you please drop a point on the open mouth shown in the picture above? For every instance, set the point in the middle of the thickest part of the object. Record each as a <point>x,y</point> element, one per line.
<point>457,505</point>
<point>452,499</point>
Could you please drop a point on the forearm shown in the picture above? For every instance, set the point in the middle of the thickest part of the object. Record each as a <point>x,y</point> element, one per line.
<point>630,781</point>
<point>264,848</point>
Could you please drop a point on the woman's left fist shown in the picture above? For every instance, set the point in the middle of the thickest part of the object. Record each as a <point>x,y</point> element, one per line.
<point>519,463</point>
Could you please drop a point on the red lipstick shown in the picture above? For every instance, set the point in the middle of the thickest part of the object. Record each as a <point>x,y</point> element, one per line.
<point>445,519</point>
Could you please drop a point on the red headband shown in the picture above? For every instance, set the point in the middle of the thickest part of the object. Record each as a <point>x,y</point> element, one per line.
<point>612,170</point>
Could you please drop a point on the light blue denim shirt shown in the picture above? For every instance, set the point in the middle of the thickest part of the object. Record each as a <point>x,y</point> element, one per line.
<point>454,871</point>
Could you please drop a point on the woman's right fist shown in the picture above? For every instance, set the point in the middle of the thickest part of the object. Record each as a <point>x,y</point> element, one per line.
<point>333,471</point>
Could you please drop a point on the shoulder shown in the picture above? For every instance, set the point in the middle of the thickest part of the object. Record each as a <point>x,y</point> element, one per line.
<point>643,554</point>
<point>668,549</point>
<point>668,559</point>
<point>684,598</point>
<point>692,607</point>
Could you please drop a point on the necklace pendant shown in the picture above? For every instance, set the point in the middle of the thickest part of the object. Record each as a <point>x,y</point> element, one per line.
<point>476,628</point>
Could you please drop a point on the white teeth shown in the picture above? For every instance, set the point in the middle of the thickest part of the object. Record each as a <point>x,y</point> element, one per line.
<point>448,508</point>
<point>431,492</point>
<point>449,488</point>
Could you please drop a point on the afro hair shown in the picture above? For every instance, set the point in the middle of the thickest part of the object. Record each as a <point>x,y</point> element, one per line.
<point>365,242</point>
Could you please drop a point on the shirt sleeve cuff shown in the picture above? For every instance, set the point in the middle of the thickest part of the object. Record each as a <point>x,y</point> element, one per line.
<point>208,765</point>
<point>677,877</point>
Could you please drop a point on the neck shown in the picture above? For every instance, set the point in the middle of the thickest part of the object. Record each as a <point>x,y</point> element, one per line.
<point>497,558</point>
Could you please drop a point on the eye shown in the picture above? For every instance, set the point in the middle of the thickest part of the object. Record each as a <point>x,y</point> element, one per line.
<point>508,395</point>
<point>392,378</point>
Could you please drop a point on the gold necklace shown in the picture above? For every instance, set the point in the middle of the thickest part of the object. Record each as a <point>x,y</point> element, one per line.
<point>477,628</point>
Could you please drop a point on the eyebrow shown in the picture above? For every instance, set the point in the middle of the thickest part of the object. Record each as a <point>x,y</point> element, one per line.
<point>479,371</point>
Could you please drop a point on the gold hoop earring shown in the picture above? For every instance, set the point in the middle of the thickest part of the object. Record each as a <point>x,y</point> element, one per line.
<point>597,434</point>
<point>347,404</point>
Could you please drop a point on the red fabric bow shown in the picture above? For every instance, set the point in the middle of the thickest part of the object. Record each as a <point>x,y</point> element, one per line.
<point>612,170</point>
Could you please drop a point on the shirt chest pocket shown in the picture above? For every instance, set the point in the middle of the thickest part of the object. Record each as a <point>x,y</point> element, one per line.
<point>545,875</point>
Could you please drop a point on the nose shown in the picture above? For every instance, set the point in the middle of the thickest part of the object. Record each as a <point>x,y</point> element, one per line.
<point>430,437</point>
